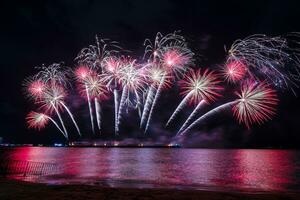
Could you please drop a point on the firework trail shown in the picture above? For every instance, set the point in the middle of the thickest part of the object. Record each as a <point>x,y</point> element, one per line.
<point>255,105</point>
<point>198,86</point>
<point>192,115</point>
<point>60,119</point>
<point>98,113</point>
<point>40,120</point>
<point>154,74</point>
<point>147,105</point>
<point>116,103</point>
<point>211,112</point>
<point>154,102</point>
<point>90,108</point>
<point>72,117</point>
<point>138,103</point>
<point>122,104</point>
<point>179,107</point>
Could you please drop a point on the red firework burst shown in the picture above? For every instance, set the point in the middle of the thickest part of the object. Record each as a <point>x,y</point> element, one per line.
<point>174,61</point>
<point>112,64</point>
<point>95,85</point>
<point>201,86</point>
<point>37,120</point>
<point>256,104</point>
<point>234,71</point>
<point>83,72</point>
<point>36,88</point>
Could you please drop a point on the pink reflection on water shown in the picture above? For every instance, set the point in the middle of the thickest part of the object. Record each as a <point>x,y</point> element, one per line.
<point>262,170</point>
<point>268,169</point>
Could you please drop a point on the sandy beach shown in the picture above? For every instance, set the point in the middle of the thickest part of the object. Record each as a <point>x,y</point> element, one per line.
<point>11,189</point>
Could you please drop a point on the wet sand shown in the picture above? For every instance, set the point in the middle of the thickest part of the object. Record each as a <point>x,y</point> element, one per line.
<point>12,189</point>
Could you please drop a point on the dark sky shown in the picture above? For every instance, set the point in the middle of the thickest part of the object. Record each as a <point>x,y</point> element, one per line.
<point>33,33</point>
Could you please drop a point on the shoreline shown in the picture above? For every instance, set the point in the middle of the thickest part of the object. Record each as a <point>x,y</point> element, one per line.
<point>15,189</point>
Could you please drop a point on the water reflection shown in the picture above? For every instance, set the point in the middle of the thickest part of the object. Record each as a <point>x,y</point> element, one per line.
<point>262,170</point>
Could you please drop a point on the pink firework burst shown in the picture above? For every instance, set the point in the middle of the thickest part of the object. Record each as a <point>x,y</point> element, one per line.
<point>201,86</point>
<point>234,71</point>
<point>256,104</point>
<point>155,75</point>
<point>36,88</point>
<point>37,120</point>
<point>53,97</point>
<point>131,77</point>
<point>112,64</point>
<point>82,72</point>
<point>95,85</point>
<point>175,61</point>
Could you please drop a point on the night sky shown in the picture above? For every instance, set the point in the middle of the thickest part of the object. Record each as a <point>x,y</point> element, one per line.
<point>33,33</point>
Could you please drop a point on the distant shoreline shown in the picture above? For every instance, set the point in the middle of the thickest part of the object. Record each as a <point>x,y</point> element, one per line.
<point>12,189</point>
<point>137,146</point>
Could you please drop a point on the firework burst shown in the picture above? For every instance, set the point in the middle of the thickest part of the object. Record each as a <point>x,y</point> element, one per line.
<point>40,120</point>
<point>268,58</point>
<point>256,104</point>
<point>94,55</point>
<point>234,71</point>
<point>34,88</point>
<point>197,86</point>
<point>54,74</point>
<point>102,71</point>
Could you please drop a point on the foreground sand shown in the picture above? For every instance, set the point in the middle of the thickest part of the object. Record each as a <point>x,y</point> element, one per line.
<point>10,189</point>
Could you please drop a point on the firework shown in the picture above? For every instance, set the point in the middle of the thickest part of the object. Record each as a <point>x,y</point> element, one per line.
<point>36,89</point>
<point>265,57</point>
<point>102,57</point>
<point>54,74</point>
<point>256,104</point>
<point>234,71</point>
<point>92,86</point>
<point>154,76</point>
<point>169,52</point>
<point>40,120</point>
<point>53,100</point>
<point>191,116</point>
<point>138,85</point>
<point>154,102</point>
<point>198,86</point>
<point>94,55</point>
<point>131,80</point>
<point>112,68</point>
